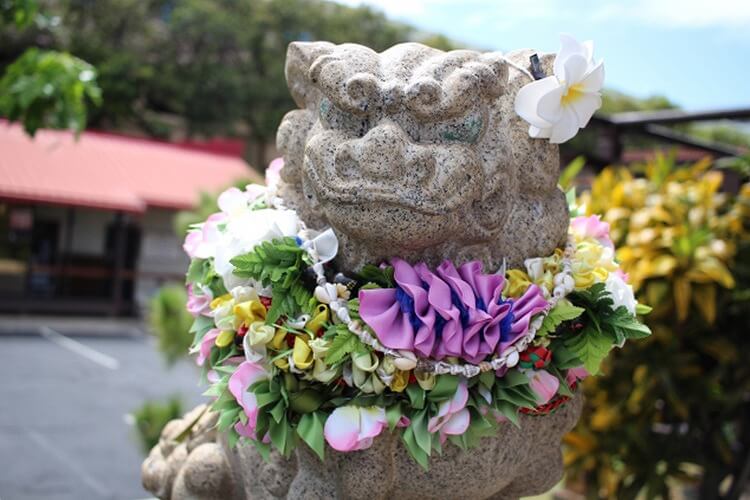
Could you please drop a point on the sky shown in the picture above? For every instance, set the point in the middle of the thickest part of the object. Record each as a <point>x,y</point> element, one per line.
<point>695,52</point>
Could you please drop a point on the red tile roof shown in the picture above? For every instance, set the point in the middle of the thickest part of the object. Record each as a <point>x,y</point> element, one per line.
<point>109,172</point>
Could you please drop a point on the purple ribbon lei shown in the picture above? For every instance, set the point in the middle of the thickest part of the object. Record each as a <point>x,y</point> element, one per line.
<point>449,312</point>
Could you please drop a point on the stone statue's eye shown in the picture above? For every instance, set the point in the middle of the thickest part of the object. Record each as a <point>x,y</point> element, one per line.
<point>466,130</point>
<point>324,111</point>
<point>333,117</point>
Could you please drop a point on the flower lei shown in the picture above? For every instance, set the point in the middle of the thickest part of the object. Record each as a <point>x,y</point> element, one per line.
<point>296,353</point>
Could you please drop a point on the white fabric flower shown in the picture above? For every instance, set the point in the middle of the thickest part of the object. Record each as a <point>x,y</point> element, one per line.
<point>558,105</point>
<point>621,292</point>
<point>246,230</point>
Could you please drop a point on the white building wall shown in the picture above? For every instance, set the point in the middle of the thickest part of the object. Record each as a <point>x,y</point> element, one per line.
<point>161,259</point>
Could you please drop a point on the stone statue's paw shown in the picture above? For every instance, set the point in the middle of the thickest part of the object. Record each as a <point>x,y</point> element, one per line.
<point>188,462</point>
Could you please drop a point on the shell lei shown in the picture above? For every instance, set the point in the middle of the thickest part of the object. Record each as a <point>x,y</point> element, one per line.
<point>294,356</point>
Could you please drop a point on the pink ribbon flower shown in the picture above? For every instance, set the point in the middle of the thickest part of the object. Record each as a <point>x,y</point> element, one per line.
<point>201,243</point>
<point>544,385</point>
<point>591,227</point>
<point>350,428</point>
<point>247,374</point>
<point>198,304</point>
<point>452,418</point>
<point>207,342</point>
<point>576,374</point>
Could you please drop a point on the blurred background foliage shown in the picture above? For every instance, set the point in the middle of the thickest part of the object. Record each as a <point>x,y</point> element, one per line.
<point>44,88</point>
<point>673,410</point>
<point>169,321</point>
<point>151,418</point>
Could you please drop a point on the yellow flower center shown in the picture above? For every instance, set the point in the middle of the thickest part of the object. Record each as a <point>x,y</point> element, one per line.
<point>574,93</point>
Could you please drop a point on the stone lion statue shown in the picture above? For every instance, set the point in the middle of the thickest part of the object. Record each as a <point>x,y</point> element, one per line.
<point>418,153</point>
<point>415,153</point>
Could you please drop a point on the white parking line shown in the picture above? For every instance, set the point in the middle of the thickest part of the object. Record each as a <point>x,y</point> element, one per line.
<point>69,461</point>
<point>79,348</point>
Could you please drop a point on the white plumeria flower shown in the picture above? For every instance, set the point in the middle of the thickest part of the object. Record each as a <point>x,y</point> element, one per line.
<point>558,105</point>
<point>621,292</point>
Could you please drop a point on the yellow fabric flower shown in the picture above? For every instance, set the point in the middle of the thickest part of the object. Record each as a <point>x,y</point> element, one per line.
<point>277,342</point>
<point>282,364</point>
<point>591,264</point>
<point>249,312</point>
<point>319,319</point>
<point>302,355</point>
<point>425,380</point>
<point>259,333</point>
<point>219,301</point>
<point>517,283</point>
<point>225,338</point>
<point>400,381</point>
<point>542,271</point>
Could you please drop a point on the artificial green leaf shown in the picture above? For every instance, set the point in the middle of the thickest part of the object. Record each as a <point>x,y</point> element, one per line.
<point>421,435</point>
<point>201,325</point>
<point>264,399</point>
<point>416,396</point>
<point>627,326</point>
<point>487,379</point>
<point>590,346</point>
<point>562,357</point>
<point>416,452</point>
<point>517,396</point>
<point>510,412</point>
<point>264,449</point>
<point>445,388</point>
<point>227,419</point>
<point>512,378</point>
<point>306,400</point>
<point>343,343</point>
<point>195,270</point>
<point>393,414</point>
<point>563,311</point>
<point>563,388</point>
<point>232,437</point>
<point>278,412</point>
<point>383,277</point>
<point>279,434</point>
<point>643,309</point>
<point>310,430</point>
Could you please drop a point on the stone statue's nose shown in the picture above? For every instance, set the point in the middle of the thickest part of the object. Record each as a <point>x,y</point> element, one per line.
<point>376,155</point>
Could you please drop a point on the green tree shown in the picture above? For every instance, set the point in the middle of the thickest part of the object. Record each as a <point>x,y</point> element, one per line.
<point>44,88</point>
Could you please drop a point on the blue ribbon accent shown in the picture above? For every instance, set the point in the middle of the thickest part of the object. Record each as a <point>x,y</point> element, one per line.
<point>507,321</point>
<point>461,307</point>
<point>406,303</point>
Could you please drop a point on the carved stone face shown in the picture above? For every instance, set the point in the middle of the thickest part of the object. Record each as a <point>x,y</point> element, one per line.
<point>417,153</point>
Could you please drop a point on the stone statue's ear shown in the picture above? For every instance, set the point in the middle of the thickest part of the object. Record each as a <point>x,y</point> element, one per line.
<point>300,56</point>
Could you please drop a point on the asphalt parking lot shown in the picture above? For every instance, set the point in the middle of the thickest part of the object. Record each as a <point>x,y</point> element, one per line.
<point>65,400</point>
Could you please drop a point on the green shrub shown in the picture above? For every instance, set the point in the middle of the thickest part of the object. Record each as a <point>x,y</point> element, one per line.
<point>675,408</point>
<point>151,418</point>
<point>170,322</point>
